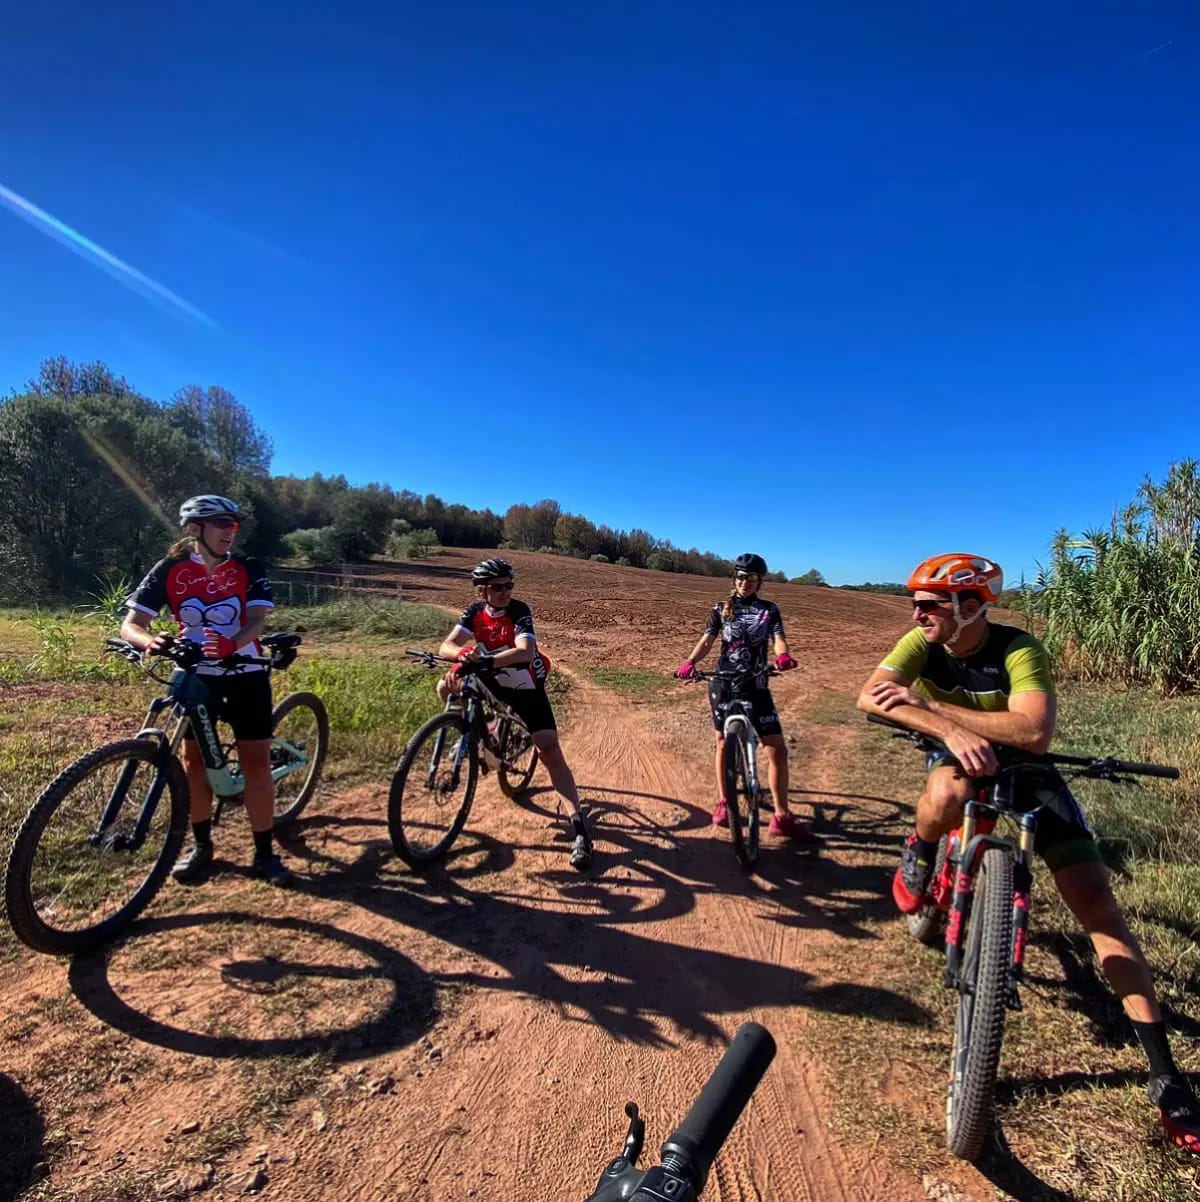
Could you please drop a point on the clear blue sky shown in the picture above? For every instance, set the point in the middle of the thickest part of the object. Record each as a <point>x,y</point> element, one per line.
<point>842,283</point>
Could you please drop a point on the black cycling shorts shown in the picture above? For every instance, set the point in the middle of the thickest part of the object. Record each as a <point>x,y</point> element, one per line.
<point>1063,836</point>
<point>532,706</point>
<point>763,714</point>
<point>243,700</point>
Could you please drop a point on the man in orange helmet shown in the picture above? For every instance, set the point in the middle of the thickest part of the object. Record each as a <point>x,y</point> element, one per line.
<point>971,683</point>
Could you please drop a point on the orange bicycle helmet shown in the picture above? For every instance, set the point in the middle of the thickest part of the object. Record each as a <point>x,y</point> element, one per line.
<point>959,572</point>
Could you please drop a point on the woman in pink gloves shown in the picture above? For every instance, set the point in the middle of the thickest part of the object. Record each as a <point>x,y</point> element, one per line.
<point>750,629</point>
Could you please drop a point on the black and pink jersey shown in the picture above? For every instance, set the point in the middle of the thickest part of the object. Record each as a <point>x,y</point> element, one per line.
<point>201,601</point>
<point>746,638</point>
<point>499,629</point>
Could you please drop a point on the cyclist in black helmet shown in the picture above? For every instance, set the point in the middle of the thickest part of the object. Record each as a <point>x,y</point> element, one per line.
<point>750,629</point>
<point>498,627</point>
<point>221,601</point>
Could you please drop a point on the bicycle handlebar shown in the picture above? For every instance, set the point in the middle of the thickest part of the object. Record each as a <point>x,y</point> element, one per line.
<point>708,1123</point>
<point>187,654</point>
<point>699,674</point>
<point>689,1151</point>
<point>1097,767</point>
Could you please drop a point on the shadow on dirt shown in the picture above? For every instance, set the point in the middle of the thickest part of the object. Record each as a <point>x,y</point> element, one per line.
<point>1000,1166</point>
<point>412,1009</point>
<point>21,1150</point>
<point>583,957</point>
<point>589,963</point>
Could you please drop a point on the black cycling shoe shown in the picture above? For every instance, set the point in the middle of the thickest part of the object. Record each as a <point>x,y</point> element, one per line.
<point>195,866</point>
<point>581,846</point>
<point>271,869</point>
<point>1179,1110</point>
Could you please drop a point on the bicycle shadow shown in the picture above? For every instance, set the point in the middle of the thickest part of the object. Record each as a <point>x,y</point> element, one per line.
<point>22,1150</point>
<point>590,965</point>
<point>411,1011</point>
<point>1001,1166</point>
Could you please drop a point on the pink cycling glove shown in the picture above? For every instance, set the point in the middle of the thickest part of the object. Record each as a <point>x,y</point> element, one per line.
<point>686,670</point>
<point>785,662</point>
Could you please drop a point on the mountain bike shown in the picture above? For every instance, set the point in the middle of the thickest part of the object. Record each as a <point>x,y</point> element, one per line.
<point>980,893</point>
<point>435,780</point>
<point>96,846</point>
<point>744,794</point>
<point>688,1153</point>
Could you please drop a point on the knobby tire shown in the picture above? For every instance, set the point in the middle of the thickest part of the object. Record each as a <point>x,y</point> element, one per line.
<point>983,996</point>
<point>31,927</point>
<point>403,824</point>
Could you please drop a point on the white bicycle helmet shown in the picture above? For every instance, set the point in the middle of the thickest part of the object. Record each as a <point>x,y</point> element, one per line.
<point>208,505</point>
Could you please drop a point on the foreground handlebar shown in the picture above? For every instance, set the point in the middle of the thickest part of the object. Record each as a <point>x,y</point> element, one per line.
<point>698,1139</point>
<point>688,1153</point>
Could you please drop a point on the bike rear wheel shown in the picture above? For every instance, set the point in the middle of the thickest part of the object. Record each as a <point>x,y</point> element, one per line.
<point>741,800</point>
<point>928,923</point>
<point>70,886</point>
<point>983,998</point>
<point>299,744</point>
<point>432,789</point>
<point>518,757</point>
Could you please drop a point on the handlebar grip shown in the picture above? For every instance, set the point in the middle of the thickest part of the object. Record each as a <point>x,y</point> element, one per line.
<point>699,1137</point>
<point>1160,770</point>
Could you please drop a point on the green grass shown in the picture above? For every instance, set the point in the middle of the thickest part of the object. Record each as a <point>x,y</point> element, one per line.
<point>372,618</point>
<point>1095,1142</point>
<point>632,682</point>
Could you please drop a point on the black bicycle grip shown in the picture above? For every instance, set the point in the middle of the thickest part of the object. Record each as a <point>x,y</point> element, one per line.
<point>1161,770</point>
<point>699,1137</point>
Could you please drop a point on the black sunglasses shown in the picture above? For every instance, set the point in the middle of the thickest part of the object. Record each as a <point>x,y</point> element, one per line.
<point>502,586</point>
<point>223,523</point>
<point>927,607</point>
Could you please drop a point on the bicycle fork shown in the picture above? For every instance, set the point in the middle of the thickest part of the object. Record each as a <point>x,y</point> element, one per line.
<point>102,837</point>
<point>975,838</point>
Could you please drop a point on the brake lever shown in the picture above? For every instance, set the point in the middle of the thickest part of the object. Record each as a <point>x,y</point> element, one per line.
<point>621,1177</point>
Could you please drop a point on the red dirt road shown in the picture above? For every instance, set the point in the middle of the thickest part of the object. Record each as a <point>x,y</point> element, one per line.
<point>474,1035</point>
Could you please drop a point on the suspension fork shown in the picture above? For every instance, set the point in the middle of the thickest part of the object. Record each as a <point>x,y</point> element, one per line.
<point>471,716</point>
<point>978,823</point>
<point>1022,887</point>
<point>117,795</point>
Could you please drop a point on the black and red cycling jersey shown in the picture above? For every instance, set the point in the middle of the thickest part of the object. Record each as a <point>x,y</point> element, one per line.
<point>498,630</point>
<point>200,600</point>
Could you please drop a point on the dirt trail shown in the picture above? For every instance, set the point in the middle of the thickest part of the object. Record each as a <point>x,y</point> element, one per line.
<point>474,1035</point>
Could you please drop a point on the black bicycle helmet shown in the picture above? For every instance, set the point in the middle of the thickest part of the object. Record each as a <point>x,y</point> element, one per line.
<point>753,564</point>
<point>208,505</point>
<point>491,569</point>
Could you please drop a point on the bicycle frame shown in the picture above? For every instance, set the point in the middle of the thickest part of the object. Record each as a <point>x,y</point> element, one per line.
<point>186,698</point>
<point>476,702</point>
<point>738,724</point>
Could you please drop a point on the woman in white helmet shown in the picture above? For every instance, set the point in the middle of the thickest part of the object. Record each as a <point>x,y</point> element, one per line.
<point>221,601</point>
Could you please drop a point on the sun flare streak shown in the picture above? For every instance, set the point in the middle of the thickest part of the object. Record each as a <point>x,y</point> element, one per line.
<point>73,240</point>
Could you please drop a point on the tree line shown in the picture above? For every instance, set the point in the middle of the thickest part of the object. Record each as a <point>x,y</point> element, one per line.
<point>92,472</point>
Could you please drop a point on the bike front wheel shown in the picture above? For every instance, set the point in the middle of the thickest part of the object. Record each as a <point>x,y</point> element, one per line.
<point>741,800</point>
<point>96,846</point>
<point>432,789</point>
<point>299,744</point>
<point>983,1000</point>
<point>518,757</point>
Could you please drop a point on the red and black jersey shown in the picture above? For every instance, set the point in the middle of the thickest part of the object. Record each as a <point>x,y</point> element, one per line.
<point>200,600</point>
<point>500,629</point>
